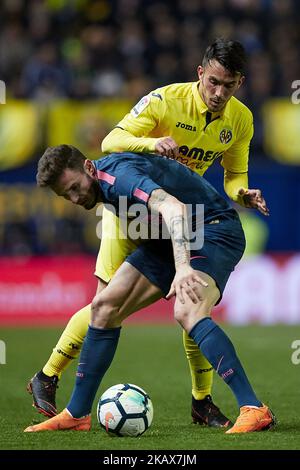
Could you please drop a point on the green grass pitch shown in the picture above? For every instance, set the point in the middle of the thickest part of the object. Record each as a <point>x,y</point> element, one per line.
<point>153,358</point>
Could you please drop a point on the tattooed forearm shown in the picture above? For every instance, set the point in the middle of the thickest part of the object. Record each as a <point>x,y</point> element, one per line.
<point>179,239</point>
<point>174,215</point>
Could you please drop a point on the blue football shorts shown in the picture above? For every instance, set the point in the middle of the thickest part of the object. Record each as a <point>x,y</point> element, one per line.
<point>224,245</point>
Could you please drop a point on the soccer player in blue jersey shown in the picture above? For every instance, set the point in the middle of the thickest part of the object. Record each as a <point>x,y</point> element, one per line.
<point>196,276</point>
<point>197,123</point>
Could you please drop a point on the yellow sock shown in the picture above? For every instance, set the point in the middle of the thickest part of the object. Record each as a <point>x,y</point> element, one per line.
<point>201,370</point>
<point>69,344</point>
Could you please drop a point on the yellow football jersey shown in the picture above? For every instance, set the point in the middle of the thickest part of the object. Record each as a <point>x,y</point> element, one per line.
<point>177,110</point>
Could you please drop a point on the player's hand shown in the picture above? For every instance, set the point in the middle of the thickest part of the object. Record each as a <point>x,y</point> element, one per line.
<point>253,199</point>
<point>167,147</point>
<point>186,281</point>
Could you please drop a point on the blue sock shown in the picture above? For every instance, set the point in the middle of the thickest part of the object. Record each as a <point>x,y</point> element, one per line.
<point>220,352</point>
<point>98,350</point>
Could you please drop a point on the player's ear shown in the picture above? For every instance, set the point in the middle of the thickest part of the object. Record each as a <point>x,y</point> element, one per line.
<point>241,81</point>
<point>200,71</point>
<point>89,168</point>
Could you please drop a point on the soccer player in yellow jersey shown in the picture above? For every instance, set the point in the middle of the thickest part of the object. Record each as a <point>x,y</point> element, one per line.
<point>195,123</point>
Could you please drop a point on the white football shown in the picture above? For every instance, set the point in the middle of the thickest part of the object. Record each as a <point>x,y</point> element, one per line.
<point>125,410</point>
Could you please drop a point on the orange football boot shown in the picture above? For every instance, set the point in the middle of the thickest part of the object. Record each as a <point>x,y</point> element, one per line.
<point>253,418</point>
<point>62,422</point>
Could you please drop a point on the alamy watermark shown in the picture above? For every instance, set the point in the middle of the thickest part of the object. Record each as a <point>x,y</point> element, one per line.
<point>295,97</point>
<point>295,357</point>
<point>137,222</point>
<point>2,92</point>
<point>2,352</point>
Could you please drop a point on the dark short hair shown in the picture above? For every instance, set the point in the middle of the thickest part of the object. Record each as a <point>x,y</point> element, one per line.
<point>55,160</point>
<point>230,54</point>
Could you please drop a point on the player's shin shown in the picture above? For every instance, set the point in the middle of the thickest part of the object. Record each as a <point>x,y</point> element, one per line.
<point>96,356</point>
<point>69,344</point>
<point>220,352</point>
<point>201,370</point>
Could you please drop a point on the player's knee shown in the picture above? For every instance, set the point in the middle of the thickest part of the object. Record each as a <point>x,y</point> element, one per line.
<point>189,313</point>
<point>181,313</point>
<point>105,313</point>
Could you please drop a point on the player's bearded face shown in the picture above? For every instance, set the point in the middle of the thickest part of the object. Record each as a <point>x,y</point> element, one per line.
<point>217,85</point>
<point>79,188</point>
<point>92,197</point>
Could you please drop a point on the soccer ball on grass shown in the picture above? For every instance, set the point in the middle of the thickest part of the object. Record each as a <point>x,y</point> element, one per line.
<point>125,410</point>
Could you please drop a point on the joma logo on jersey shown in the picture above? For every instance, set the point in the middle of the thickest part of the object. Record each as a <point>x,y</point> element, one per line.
<point>225,136</point>
<point>188,127</point>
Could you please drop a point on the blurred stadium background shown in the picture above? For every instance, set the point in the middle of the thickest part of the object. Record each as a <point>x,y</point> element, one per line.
<point>72,69</point>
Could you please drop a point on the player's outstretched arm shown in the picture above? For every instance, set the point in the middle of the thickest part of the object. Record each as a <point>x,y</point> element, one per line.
<point>121,140</point>
<point>174,214</point>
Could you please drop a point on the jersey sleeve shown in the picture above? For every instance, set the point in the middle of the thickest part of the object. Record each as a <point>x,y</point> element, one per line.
<point>129,134</point>
<point>120,140</point>
<point>232,184</point>
<point>235,159</point>
<point>135,185</point>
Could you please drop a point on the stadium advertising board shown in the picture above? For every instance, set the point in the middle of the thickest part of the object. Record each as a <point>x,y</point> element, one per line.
<point>48,290</point>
